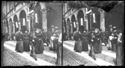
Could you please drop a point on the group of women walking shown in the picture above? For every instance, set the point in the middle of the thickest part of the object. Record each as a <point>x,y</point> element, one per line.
<point>34,43</point>
<point>27,42</point>
<point>92,41</point>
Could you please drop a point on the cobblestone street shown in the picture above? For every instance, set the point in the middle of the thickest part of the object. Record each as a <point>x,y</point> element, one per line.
<point>74,58</point>
<point>12,59</point>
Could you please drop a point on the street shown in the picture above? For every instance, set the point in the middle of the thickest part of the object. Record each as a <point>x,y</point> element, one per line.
<point>48,58</point>
<point>74,58</point>
<point>12,59</point>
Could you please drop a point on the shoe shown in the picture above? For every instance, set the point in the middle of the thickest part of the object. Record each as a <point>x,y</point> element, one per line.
<point>35,58</point>
<point>94,58</point>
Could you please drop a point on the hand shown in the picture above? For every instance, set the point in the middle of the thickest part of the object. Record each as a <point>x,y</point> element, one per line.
<point>33,40</point>
<point>92,40</point>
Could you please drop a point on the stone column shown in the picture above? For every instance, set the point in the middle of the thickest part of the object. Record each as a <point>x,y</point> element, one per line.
<point>102,20</point>
<point>44,16</point>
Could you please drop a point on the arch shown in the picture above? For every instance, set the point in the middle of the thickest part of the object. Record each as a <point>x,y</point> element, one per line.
<point>22,14</point>
<point>64,26</point>
<point>69,29</point>
<point>22,17</point>
<point>7,24</point>
<point>73,19</point>
<point>68,25</point>
<point>38,23</point>
<point>10,26</point>
<point>16,22</point>
<point>15,18</point>
<point>80,16</point>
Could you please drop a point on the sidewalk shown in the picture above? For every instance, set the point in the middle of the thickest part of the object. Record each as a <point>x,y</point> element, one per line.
<point>104,59</point>
<point>11,46</point>
<point>10,58</point>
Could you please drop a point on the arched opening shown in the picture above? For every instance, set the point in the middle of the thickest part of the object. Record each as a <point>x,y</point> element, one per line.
<point>95,17</point>
<point>69,28</point>
<point>7,23</point>
<point>10,26</point>
<point>64,26</point>
<point>16,23</point>
<point>81,22</point>
<point>68,25</point>
<point>73,19</point>
<point>23,23</point>
<point>38,17</point>
<point>3,27</point>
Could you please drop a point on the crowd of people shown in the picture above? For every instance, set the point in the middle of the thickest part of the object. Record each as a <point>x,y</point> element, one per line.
<point>34,42</point>
<point>93,41</point>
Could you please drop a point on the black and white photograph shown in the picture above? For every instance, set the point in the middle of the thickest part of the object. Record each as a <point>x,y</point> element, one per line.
<point>32,32</point>
<point>62,33</point>
<point>92,33</point>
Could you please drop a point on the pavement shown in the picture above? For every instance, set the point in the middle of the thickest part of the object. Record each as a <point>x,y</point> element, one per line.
<point>12,59</point>
<point>104,59</point>
<point>48,58</point>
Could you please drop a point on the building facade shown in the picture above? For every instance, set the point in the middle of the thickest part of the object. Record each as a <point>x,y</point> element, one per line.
<point>82,19</point>
<point>23,15</point>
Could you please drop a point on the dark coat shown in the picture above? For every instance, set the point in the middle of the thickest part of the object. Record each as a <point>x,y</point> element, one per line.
<point>38,44</point>
<point>26,42</point>
<point>76,36</point>
<point>19,45</point>
<point>84,42</point>
<point>97,44</point>
<point>78,42</point>
<point>78,46</point>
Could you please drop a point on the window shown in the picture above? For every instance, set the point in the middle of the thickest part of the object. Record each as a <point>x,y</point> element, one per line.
<point>94,20</point>
<point>16,24</point>
<point>24,22</point>
<point>36,19</point>
<point>81,20</point>
<point>74,24</point>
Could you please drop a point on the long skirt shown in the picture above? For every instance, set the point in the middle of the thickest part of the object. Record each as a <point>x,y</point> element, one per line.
<point>119,55</point>
<point>59,55</point>
<point>32,53</point>
<point>78,46</point>
<point>84,44</point>
<point>26,45</point>
<point>114,42</point>
<point>19,46</point>
<point>51,44</point>
<point>97,47</point>
<point>91,52</point>
<point>39,47</point>
<point>55,44</point>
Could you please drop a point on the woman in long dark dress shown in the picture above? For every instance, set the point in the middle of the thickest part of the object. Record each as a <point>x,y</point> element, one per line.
<point>84,41</point>
<point>91,37</point>
<point>97,42</point>
<point>114,42</point>
<point>19,45</point>
<point>32,42</point>
<point>38,42</point>
<point>26,41</point>
<point>119,50</point>
<point>78,41</point>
